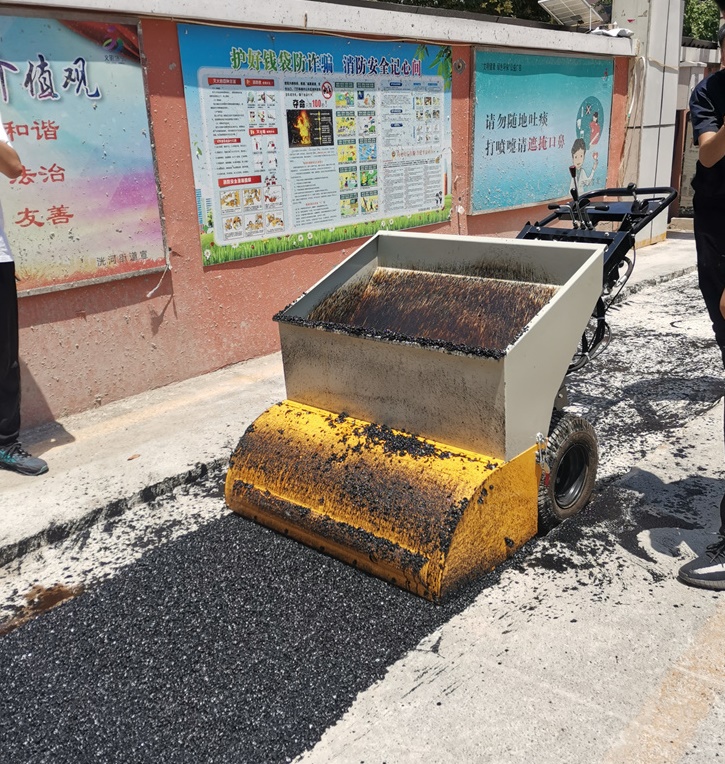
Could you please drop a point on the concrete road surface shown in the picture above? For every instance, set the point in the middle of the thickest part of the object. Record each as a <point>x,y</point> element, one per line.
<point>196,636</point>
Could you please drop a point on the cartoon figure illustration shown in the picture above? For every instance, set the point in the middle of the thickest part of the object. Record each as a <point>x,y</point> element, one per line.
<point>590,122</point>
<point>594,129</point>
<point>578,154</point>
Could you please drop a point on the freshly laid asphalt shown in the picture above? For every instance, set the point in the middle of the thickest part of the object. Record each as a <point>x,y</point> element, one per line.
<point>234,644</point>
<point>219,647</point>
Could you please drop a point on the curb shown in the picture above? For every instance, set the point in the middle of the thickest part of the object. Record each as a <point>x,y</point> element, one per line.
<point>628,291</point>
<point>54,534</point>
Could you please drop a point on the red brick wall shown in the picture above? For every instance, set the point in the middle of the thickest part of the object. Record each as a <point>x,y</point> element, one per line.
<point>88,346</point>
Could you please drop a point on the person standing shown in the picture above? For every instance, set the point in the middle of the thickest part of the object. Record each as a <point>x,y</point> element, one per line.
<point>707,114</point>
<point>12,455</point>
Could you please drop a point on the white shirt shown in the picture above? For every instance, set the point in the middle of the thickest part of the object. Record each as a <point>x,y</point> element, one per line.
<point>6,255</point>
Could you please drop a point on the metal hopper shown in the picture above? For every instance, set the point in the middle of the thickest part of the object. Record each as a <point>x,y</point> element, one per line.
<point>419,373</point>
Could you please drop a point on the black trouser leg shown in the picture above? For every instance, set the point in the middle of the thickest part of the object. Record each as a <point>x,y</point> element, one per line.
<point>9,363</point>
<point>722,501</point>
<point>710,243</point>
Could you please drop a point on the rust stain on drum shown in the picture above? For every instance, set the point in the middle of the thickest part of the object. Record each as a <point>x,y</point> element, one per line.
<point>360,469</point>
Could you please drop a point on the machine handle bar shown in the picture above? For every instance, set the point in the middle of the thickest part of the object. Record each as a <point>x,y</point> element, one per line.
<point>662,195</point>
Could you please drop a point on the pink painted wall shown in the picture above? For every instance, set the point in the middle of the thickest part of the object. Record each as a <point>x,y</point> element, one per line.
<point>88,346</point>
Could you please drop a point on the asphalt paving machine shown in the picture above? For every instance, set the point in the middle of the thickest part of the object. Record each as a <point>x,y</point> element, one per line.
<point>424,437</point>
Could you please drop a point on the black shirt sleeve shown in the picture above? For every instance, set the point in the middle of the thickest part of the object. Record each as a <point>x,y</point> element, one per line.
<point>706,100</point>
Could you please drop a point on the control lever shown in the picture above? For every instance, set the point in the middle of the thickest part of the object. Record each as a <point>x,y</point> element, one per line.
<point>585,215</point>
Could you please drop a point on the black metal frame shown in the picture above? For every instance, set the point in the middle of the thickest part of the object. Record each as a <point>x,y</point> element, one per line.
<point>584,212</point>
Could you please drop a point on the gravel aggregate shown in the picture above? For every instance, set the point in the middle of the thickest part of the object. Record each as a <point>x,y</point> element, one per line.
<point>231,644</point>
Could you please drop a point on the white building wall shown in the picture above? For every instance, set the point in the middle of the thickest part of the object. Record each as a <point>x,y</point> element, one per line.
<point>371,18</point>
<point>657,27</point>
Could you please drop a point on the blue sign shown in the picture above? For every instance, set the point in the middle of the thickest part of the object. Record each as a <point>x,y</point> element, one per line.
<point>535,116</point>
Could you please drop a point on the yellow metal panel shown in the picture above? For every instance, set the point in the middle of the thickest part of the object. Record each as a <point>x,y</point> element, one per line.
<point>500,518</point>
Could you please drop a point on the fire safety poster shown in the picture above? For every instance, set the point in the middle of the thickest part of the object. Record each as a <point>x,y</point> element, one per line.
<point>73,105</point>
<point>299,140</point>
<point>535,117</point>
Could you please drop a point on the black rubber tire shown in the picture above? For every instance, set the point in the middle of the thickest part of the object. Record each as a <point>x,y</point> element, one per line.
<point>573,457</point>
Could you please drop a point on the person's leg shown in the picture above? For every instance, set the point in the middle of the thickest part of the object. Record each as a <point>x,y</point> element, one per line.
<point>708,570</point>
<point>722,501</point>
<point>9,364</point>
<point>12,455</point>
<point>710,245</point>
